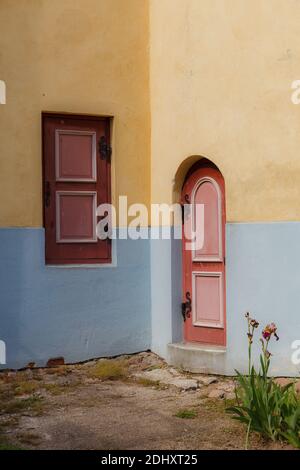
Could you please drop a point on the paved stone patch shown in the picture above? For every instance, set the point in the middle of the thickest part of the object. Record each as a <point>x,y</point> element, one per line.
<point>169,377</point>
<point>206,379</point>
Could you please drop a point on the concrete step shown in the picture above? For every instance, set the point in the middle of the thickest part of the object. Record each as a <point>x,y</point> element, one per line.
<point>197,357</point>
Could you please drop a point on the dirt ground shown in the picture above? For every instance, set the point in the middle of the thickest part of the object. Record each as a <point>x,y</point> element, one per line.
<point>132,402</point>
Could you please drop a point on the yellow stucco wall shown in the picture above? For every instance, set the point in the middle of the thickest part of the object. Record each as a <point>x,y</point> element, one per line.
<point>221,72</point>
<point>80,56</point>
<point>220,87</point>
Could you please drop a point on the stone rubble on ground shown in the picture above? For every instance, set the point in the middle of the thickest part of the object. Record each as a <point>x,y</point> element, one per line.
<point>184,384</point>
<point>227,387</point>
<point>172,377</point>
<point>152,368</point>
<point>169,377</point>
<point>230,396</point>
<point>207,380</point>
<point>216,393</point>
<point>89,363</point>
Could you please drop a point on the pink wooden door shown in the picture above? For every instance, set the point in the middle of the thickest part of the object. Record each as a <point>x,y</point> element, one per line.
<point>204,264</point>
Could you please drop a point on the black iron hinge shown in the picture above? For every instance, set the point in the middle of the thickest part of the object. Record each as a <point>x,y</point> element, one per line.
<point>186,201</point>
<point>186,307</point>
<point>104,149</point>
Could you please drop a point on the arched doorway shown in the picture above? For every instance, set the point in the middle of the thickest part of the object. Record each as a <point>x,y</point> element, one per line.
<point>204,302</point>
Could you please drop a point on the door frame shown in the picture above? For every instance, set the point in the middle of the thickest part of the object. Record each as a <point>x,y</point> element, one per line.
<point>214,266</point>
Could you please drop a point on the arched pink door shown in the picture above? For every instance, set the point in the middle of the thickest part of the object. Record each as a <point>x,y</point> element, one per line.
<point>204,262</point>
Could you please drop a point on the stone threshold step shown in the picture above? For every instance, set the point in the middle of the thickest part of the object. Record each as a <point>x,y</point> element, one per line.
<point>197,357</point>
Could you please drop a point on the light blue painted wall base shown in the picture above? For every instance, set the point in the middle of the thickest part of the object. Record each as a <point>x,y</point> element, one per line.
<point>77,313</point>
<point>166,294</point>
<point>263,277</point>
<point>81,313</point>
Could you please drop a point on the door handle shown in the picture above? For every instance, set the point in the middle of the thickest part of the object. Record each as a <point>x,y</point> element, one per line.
<point>186,307</point>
